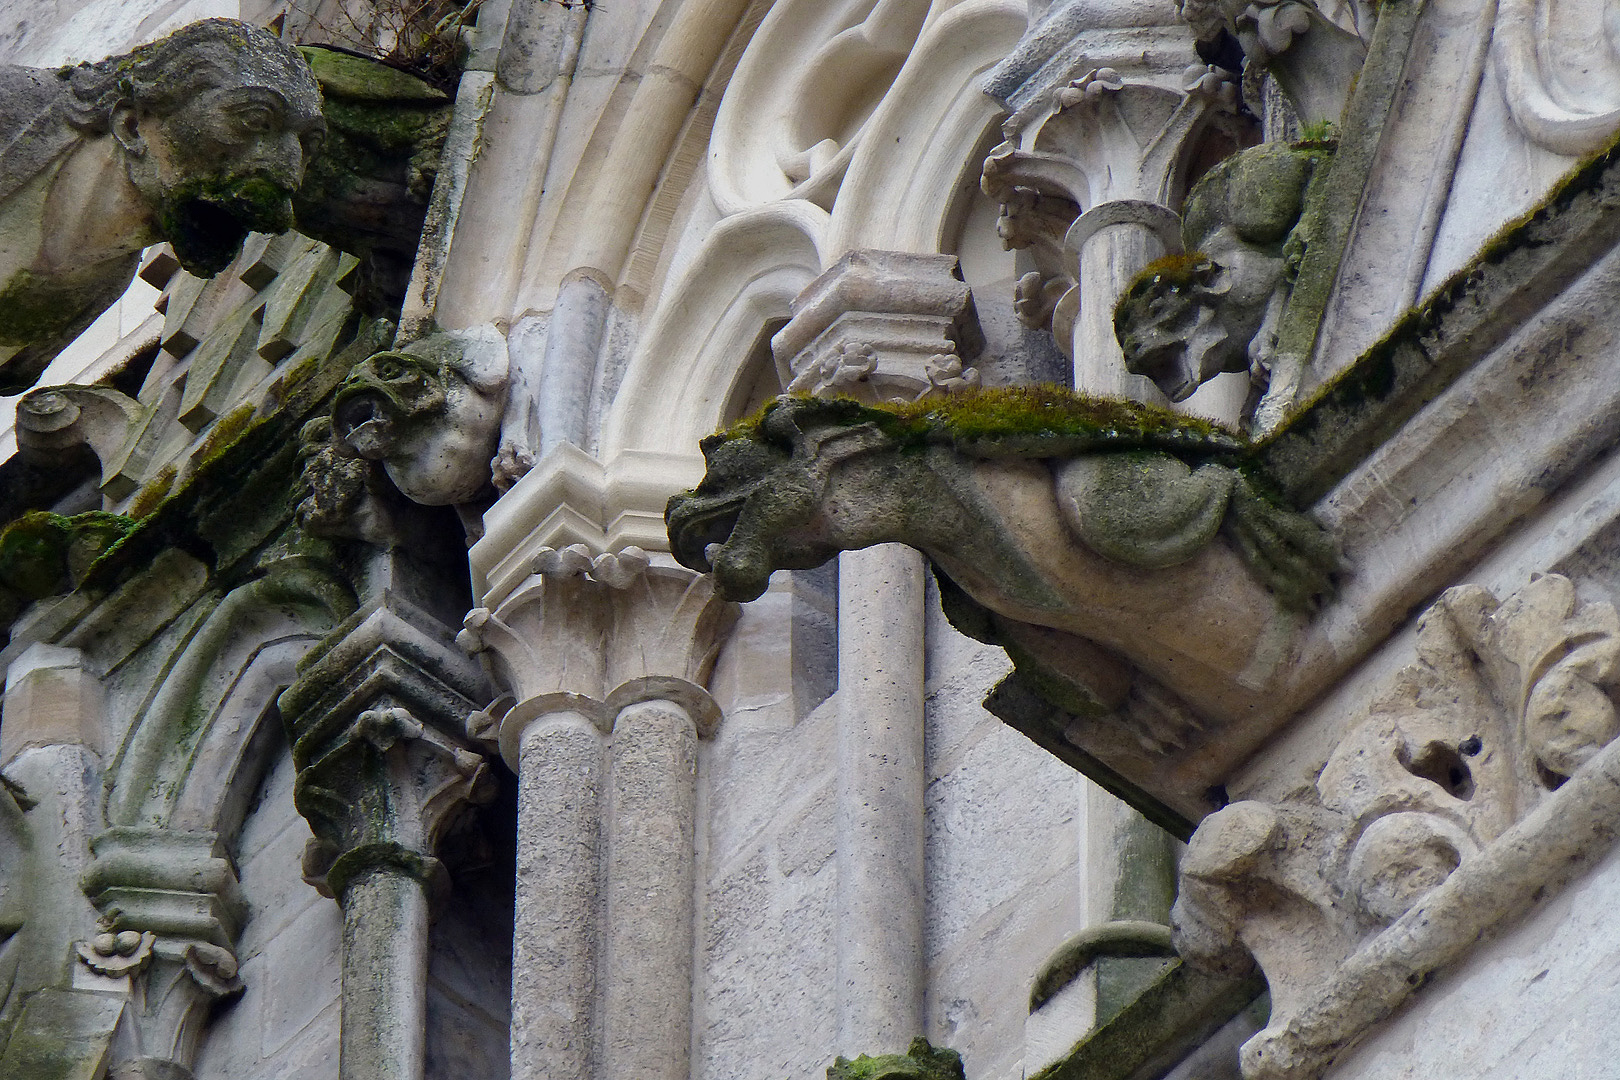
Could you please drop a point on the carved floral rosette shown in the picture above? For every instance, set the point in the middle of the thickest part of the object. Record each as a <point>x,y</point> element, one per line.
<point>1482,779</point>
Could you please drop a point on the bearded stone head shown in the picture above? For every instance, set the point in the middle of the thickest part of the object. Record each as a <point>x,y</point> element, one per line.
<point>216,123</point>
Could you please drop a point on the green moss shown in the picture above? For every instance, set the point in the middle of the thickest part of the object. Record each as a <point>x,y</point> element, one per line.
<point>1020,421</point>
<point>1319,132</point>
<point>1432,344</point>
<point>226,430</point>
<point>36,309</point>
<point>42,554</point>
<point>1175,269</point>
<point>921,1061</point>
<point>346,76</point>
<point>146,500</point>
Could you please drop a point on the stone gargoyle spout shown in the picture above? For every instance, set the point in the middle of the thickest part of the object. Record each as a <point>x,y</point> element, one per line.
<point>197,139</point>
<point>1130,560</point>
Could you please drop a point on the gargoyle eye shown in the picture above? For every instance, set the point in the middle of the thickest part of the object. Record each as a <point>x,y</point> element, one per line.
<point>389,368</point>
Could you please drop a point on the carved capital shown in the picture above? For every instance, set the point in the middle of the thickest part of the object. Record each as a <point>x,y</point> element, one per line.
<point>378,732</point>
<point>585,624</point>
<point>170,911</point>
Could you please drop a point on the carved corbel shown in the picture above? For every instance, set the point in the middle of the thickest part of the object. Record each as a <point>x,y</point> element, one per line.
<point>55,419</point>
<point>170,908</point>
<point>881,326</point>
<point>1484,776</point>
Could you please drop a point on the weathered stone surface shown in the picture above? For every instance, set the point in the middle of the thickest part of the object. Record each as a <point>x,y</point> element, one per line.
<point>812,479</point>
<point>1480,782</point>
<point>429,412</point>
<point>1188,318</point>
<point>197,140</point>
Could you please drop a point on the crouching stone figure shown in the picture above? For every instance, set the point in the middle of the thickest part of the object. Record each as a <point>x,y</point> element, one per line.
<point>197,139</point>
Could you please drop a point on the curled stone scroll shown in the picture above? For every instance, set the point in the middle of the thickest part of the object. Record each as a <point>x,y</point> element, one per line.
<point>1559,64</point>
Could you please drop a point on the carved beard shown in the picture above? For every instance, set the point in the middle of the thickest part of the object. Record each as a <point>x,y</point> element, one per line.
<point>205,220</point>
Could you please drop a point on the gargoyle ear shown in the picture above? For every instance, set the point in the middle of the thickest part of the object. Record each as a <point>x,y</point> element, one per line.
<point>126,129</point>
<point>781,422</point>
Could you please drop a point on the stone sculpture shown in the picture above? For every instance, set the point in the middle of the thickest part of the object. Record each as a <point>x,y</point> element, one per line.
<point>1187,318</point>
<point>429,413</point>
<point>197,139</point>
<point>1121,554</point>
<point>1478,783</point>
<point>817,477</point>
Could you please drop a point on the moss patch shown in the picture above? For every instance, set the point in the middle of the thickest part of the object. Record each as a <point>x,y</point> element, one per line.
<point>921,1061</point>
<point>1018,422</point>
<point>42,554</point>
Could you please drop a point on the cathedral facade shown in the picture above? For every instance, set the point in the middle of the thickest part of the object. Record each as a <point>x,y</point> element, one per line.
<point>731,539</point>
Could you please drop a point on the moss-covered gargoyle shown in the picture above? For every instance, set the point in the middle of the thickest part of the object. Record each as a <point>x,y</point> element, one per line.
<point>1130,560</point>
<point>197,139</point>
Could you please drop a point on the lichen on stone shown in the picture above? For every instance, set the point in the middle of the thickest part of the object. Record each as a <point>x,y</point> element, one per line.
<point>921,1061</point>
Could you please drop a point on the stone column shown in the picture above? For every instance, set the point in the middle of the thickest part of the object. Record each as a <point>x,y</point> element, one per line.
<point>880,798</point>
<point>377,727</point>
<point>557,754</point>
<point>649,630</point>
<point>546,646</point>
<point>652,810</point>
<point>883,326</point>
<point>385,961</point>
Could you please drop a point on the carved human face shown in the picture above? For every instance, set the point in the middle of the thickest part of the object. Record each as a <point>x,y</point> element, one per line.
<point>224,163</point>
<point>419,413</point>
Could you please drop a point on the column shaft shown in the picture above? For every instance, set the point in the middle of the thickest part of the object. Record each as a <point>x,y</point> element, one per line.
<point>880,799</point>
<point>385,961</point>
<point>554,947</point>
<point>653,803</point>
<point>1109,260</point>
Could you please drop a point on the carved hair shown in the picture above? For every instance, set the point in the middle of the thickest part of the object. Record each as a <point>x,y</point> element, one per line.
<point>159,76</point>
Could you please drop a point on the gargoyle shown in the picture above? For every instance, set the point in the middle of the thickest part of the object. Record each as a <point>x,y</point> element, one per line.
<point>1187,318</point>
<point>1122,554</point>
<point>197,139</point>
<point>429,413</point>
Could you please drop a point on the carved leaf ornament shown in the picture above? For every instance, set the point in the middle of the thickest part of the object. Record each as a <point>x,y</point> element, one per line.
<point>1479,782</point>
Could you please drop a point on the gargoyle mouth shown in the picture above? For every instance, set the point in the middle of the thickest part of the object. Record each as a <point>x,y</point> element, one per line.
<point>364,420</point>
<point>206,223</point>
<point>699,527</point>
